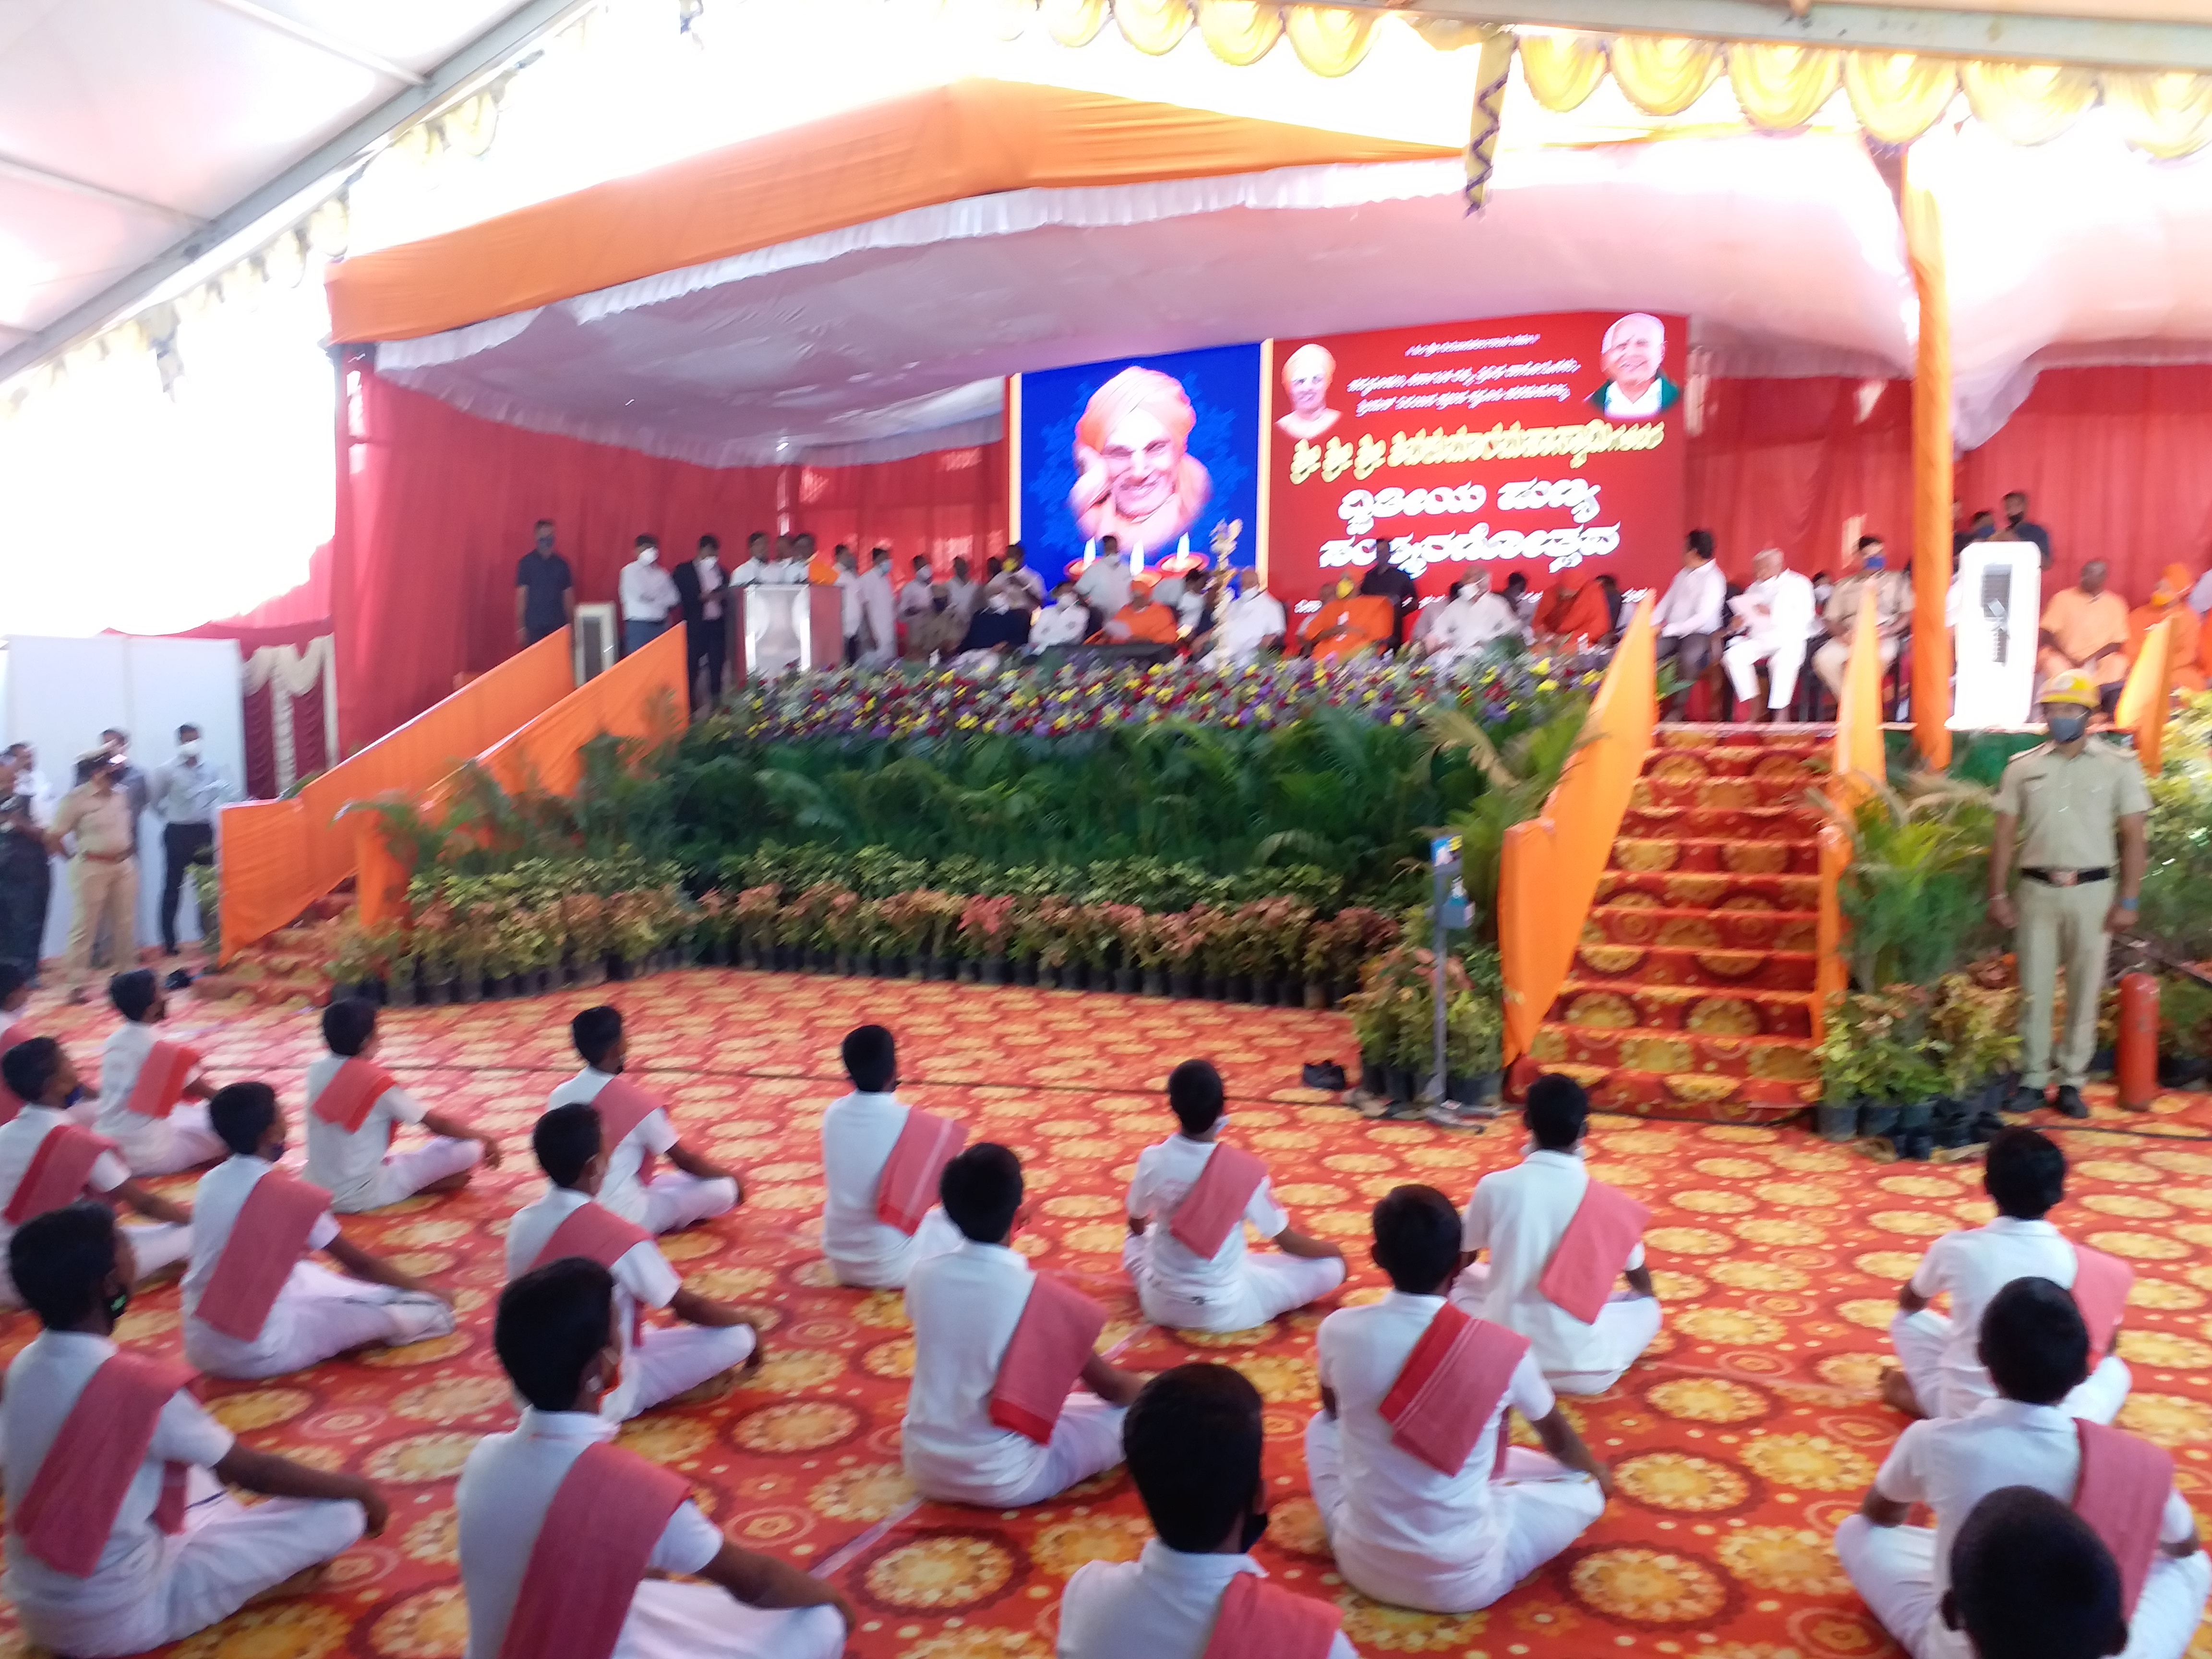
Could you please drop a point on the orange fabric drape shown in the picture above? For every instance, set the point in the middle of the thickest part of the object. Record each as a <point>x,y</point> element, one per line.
<point>641,696</point>
<point>293,852</point>
<point>1552,864</point>
<point>1931,478</point>
<point>975,138</point>
<point>2147,697</point>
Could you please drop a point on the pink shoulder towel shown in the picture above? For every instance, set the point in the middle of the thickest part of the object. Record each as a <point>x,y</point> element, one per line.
<point>1592,1251</point>
<point>593,1548</point>
<point>2121,1493</point>
<point>598,1234</point>
<point>621,1106</point>
<point>1051,1345</point>
<point>266,1241</point>
<point>1451,1383</point>
<point>57,1174</point>
<point>162,1080</point>
<point>1259,1622</point>
<point>1216,1200</point>
<point>66,1518</point>
<point>907,1185</point>
<point>2101,1283</point>
<point>349,1097</point>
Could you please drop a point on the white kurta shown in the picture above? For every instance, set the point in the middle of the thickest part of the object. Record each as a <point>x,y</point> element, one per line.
<point>1696,602</point>
<point>150,1146</point>
<point>964,1305</point>
<point>155,1244</point>
<point>1059,625</point>
<point>671,1199</point>
<point>1401,1530</point>
<point>1231,1291</point>
<point>1464,627</point>
<point>1782,608</point>
<point>150,1588</point>
<point>359,1168</point>
<point>1519,1215</point>
<point>858,1133</point>
<point>1164,1605</point>
<point>318,1313</point>
<point>1250,622</point>
<point>878,606</point>
<point>505,1490</point>
<point>1951,1466</point>
<point>660,1363</point>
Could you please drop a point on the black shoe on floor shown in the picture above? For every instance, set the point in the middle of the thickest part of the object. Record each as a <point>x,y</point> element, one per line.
<point>178,980</point>
<point>2024,1099</point>
<point>2070,1103</point>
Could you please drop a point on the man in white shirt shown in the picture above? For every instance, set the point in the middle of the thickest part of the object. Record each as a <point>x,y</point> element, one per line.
<point>2037,1351</point>
<point>1520,1216</point>
<point>38,1073</point>
<point>1464,625</point>
<point>31,783</point>
<point>965,594</point>
<point>1253,625</point>
<point>151,1145</point>
<point>659,1364</point>
<point>965,1305</point>
<point>1065,621</point>
<point>1194,1439</point>
<point>1891,592</point>
<point>1021,588</point>
<point>879,611</point>
<point>553,1337</point>
<point>358,1165</point>
<point>317,1313</point>
<point>1693,611</point>
<point>1229,1289</point>
<point>1403,1530</point>
<point>150,1583</point>
<point>2025,1175</point>
<point>858,1131</point>
<point>1104,584</point>
<point>1774,614</point>
<point>696,1190</point>
<point>914,598</point>
<point>646,593</point>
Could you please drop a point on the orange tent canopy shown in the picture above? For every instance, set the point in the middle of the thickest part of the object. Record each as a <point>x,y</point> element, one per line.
<point>973,137</point>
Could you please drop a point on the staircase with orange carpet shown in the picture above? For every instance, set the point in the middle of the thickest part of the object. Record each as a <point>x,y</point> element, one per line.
<point>1692,991</point>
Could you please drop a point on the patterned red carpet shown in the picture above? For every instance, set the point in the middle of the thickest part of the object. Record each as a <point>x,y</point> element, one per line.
<point>1738,1444</point>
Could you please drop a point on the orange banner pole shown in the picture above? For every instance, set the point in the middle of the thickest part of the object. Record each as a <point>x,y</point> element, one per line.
<point>2147,695</point>
<point>1932,477</point>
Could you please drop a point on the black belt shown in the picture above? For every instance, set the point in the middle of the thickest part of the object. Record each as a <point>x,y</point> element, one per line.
<point>2069,877</point>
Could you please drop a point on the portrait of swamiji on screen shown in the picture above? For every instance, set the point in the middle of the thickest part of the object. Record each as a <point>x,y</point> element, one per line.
<point>1135,477</point>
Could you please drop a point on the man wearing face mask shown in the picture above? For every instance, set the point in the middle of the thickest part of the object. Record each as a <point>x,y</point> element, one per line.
<point>1892,596</point>
<point>647,594</point>
<point>186,794</point>
<point>2073,810</point>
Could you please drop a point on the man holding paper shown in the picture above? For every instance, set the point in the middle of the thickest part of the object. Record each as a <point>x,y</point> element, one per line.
<point>1558,1242</point>
<point>1427,1505</point>
<point>1773,617</point>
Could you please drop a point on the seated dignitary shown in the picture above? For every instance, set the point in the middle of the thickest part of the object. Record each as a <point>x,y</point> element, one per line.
<point>559,1528</point>
<point>1425,1506</point>
<point>254,1305</point>
<point>993,1417</point>
<point>640,1132</point>
<point>353,1107</point>
<point>118,1540</point>
<point>881,1162</point>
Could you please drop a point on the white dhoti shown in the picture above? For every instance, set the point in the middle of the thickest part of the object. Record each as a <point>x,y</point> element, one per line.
<point>317,1315</point>
<point>677,1200</point>
<point>1921,1338</point>
<point>191,1142</point>
<point>1268,1286</point>
<point>1543,1506</point>
<point>1623,1329</point>
<point>406,1173</point>
<point>228,1554</point>
<point>1784,657</point>
<point>667,1361</point>
<point>1086,1441</point>
<point>1894,1567</point>
<point>703,1621</point>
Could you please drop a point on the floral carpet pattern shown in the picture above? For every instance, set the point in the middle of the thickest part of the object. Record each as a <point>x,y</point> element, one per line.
<point>1738,1443</point>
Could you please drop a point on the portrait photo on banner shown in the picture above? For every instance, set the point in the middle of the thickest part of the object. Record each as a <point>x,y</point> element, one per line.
<point>1541,444</point>
<point>1158,451</point>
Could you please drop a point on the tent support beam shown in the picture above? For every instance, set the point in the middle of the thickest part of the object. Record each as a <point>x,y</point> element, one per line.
<point>2089,41</point>
<point>321,40</point>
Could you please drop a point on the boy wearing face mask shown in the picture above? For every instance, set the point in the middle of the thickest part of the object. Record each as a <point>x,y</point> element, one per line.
<point>2071,812</point>
<point>186,794</point>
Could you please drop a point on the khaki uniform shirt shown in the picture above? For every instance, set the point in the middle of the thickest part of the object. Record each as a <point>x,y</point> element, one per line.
<point>1892,602</point>
<point>2068,809</point>
<point>101,822</point>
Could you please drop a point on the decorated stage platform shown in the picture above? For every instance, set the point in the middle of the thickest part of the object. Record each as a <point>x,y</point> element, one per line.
<point>1738,1443</point>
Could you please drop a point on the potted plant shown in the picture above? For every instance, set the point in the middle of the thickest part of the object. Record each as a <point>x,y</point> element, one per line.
<point>1145,946</point>
<point>710,931</point>
<point>753,917</point>
<point>433,942</point>
<point>940,932</point>
<point>1474,1038</point>
<point>587,933</point>
<point>1119,926</point>
<point>987,929</point>
<point>842,928</point>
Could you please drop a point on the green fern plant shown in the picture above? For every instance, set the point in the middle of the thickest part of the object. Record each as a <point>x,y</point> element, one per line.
<point>1913,896</point>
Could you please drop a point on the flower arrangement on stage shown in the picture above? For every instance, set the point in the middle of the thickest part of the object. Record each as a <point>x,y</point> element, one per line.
<point>949,703</point>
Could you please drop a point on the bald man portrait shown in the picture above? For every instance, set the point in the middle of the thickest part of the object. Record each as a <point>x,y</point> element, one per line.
<point>1307,372</point>
<point>1634,389</point>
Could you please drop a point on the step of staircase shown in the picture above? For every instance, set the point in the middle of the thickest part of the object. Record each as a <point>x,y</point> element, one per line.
<point>1691,989</point>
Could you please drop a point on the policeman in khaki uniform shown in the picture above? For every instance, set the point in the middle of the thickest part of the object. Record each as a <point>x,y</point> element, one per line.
<point>2074,809</point>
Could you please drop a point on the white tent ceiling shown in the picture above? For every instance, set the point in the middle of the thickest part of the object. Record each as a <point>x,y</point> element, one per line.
<point>126,126</point>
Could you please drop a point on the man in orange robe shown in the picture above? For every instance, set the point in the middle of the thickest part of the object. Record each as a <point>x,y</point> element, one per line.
<point>1569,612</point>
<point>1142,621</point>
<point>2184,643</point>
<point>1348,624</point>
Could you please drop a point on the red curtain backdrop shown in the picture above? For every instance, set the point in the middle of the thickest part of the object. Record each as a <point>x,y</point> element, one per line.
<point>436,506</point>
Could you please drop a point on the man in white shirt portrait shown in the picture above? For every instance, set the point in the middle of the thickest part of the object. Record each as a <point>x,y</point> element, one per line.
<point>1464,627</point>
<point>1692,612</point>
<point>1773,615</point>
<point>646,593</point>
<point>1065,621</point>
<point>1253,625</point>
<point>1631,354</point>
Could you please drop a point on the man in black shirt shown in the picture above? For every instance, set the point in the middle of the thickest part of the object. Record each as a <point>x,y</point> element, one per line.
<point>1389,581</point>
<point>545,593</point>
<point>2015,512</point>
